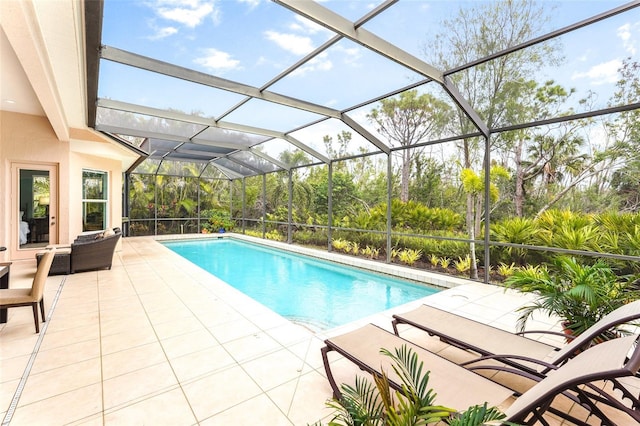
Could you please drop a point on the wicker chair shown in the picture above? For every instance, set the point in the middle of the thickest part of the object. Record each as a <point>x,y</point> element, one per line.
<point>87,253</point>
<point>92,254</point>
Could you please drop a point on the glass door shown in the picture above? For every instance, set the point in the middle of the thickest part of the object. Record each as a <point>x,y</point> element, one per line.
<point>34,208</point>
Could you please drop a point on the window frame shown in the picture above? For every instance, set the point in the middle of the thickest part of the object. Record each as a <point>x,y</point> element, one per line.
<point>90,174</point>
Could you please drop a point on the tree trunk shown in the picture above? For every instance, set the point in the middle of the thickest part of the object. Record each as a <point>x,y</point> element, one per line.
<point>473,268</point>
<point>518,197</point>
<point>406,172</point>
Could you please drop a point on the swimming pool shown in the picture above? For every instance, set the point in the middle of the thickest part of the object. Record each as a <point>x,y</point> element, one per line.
<point>317,293</point>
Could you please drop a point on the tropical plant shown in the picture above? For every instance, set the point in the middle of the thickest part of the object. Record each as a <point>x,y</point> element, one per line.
<point>341,245</point>
<point>410,256</point>
<point>578,294</point>
<point>274,235</point>
<point>370,252</point>
<point>515,230</point>
<point>374,404</point>
<point>445,262</point>
<point>218,220</point>
<point>463,264</point>
<point>395,253</point>
<point>506,270</point>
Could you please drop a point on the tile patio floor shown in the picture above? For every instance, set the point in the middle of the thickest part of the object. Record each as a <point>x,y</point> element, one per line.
<point>158,341</point>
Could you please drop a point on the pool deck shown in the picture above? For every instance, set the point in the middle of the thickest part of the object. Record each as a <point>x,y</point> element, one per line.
<point>157,340</point>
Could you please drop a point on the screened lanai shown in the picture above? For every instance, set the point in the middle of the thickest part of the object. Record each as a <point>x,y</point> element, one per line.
<point>498,131</point>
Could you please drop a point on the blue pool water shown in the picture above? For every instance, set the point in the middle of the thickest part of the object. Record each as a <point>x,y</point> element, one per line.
<point>318,293</point>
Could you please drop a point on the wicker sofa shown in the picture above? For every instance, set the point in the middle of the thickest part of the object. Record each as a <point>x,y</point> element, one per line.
<point>87,253</point>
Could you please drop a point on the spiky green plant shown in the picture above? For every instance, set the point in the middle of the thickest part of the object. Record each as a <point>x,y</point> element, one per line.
<point>340,245</point>
<point>375,404</point>
<point>354,248</point>
<point>395,253</point>
<point>274,235</point>
<point>410,256</point>
<point>463,264</point>
<point>506,270</point>
<point>477,415</point>
<point>370,252</point>
<point>445,262</point>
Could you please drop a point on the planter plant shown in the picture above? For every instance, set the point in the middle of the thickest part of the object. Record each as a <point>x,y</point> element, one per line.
<point>578,294</point>
<point>375,404</point>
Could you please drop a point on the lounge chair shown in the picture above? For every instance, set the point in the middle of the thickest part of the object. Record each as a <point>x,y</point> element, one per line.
<point>362,347</point>
<point>459,388</point>
<point>513,349</point>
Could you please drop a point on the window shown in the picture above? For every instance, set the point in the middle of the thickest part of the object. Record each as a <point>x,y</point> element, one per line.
<point>94,200</point>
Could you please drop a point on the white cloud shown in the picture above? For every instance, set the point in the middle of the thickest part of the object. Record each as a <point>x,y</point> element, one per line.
<point>216,60</point>
<point>628,34</point>
<point>163,32</point>
<point>299,45</point>
<point>304,25</point>
<point>353,56</point>
<point>606,72</point>
<point>251,3</point>
<point>190,13</point>
<point>319,63</point>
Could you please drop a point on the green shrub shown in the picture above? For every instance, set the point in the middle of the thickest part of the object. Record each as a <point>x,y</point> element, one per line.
<point>274,235</point>
<point>216,220</point>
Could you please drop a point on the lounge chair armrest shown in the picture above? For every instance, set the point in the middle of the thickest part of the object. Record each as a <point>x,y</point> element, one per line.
<point>503,357</point>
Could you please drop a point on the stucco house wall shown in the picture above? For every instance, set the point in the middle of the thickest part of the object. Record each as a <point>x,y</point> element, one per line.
<point>30,139</point>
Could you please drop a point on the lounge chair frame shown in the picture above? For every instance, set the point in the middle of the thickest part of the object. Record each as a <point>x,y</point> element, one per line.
<point>605,362</point>
<point>507,342</point>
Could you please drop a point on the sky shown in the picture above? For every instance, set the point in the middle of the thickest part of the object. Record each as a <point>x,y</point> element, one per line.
<point>253,41</point>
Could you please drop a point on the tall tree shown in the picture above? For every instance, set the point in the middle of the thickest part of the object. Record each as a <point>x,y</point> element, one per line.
<point>626,131</point>
<point>408,120</point>
<point>533,155</point>
<point>476,32</point>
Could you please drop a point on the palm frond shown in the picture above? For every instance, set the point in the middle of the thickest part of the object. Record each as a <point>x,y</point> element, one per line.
<point>478,415</point>
<point>407,366</point>
<point>359,405</point>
